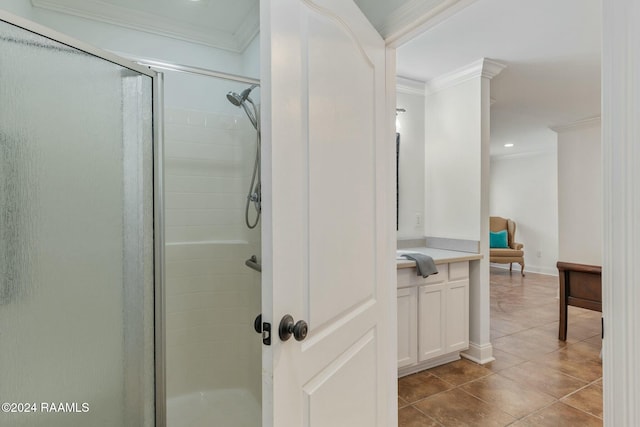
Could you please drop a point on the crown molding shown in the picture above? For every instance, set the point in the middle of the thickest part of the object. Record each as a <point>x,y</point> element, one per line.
<point>249,28</point>
<point>578,124</point>
<point>417,16</point>
<point>155,24</point>
<point>483,67</point>
<point>523,154</point>
<point>405,14</point>
<point>409,86</point>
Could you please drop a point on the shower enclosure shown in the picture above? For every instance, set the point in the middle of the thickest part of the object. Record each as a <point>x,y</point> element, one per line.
<point>213,354</point>
<point>77,262</point>
<point>91,316</point>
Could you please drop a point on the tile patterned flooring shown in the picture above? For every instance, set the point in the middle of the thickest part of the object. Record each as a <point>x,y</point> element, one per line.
<point>536,380</point>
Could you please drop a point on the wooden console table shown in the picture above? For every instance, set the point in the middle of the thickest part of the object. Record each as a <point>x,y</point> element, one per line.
<point>580,286</point>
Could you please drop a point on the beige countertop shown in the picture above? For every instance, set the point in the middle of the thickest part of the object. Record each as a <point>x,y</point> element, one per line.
<point>440,256</point>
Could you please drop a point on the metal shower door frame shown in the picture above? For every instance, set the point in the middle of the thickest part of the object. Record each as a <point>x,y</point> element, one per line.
<point>158,190</point>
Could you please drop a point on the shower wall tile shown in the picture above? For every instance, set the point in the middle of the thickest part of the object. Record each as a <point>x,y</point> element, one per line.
<point>207,162</point>
<point>203,200</point>
<point>203,233</point>
<point>175,115</point>
<point>205,283</point>
<point>205,267</point>
<point>206,167</point>
<point>213,300</point>
<point>228,251</point>
<point>196,118</point>
<point>218,216</point>
<point>198,318</point>
<point>220,121</point>
<point>215,154</point>
<point>203,184</point>
<point>209,290</point>
<point>209,293</point>
<point>209,136</point>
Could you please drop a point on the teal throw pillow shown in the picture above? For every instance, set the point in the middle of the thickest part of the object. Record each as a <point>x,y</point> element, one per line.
<point>498,239</point>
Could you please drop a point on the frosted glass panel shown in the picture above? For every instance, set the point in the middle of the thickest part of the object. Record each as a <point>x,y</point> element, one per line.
<point>76,246</point>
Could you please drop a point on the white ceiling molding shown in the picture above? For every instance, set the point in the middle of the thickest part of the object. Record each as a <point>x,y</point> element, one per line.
<point>578,124</point>
<point>249,28</point>
<point>483,67</point>
<point>521,154</point>
<point>156,24</point>
<point>417,16</point>
<point>409,86</point>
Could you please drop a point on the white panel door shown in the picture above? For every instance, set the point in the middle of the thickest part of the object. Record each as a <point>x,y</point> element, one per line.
<point>328,224</point>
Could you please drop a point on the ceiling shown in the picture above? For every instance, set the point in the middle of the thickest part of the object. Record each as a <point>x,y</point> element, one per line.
<point>232,24</point>
<point>552,52</point>
<point>551,48</point>
<point>224,24</point>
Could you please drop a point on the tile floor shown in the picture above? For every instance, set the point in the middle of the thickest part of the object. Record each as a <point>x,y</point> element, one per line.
<point>536,380</point>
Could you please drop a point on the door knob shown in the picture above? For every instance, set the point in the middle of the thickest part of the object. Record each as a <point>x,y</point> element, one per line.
<point>287,328</point>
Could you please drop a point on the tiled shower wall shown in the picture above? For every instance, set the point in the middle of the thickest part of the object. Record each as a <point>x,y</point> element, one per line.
<point>212,297</point>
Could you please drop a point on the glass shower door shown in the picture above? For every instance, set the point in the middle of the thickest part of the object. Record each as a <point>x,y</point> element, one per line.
<point>76,235</point>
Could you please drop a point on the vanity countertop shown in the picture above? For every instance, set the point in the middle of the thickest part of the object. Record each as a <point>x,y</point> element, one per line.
<point>440,256</point>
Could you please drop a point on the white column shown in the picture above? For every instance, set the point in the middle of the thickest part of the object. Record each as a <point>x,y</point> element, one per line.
<point>480,348</point>
<point>621,190</point>
<point>457,180</point>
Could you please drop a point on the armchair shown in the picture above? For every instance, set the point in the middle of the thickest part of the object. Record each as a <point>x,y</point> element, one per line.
<point>514,252</point>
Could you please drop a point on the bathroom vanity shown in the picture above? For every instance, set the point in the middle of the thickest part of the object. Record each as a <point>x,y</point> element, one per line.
<point>433,312</point>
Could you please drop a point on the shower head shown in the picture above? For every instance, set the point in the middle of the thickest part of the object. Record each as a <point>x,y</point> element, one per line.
<point>237,99</point>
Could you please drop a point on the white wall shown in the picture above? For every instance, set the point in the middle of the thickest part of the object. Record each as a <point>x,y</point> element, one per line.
<point>251,59</point>
<point>580,202</point>
<point>524,188</point>
<point>18,7</point>
<point>129,41</point>
<point>453,162</point>
<point>410,125</point>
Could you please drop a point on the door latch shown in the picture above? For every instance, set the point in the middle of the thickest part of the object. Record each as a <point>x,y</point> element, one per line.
<point>266,333</point>
<point>263,328</point>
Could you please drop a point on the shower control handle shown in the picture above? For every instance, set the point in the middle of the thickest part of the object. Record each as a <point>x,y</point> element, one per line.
<point>287,328</point>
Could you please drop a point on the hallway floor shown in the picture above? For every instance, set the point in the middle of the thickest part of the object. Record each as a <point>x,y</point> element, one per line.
<point>536,380</point>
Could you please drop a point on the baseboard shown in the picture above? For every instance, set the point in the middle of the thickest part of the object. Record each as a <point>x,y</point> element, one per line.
<point>431,363</point>
<point>479,354</point>
<point>547,271</point>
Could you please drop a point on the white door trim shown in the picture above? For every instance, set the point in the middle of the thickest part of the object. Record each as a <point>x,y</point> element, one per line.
<point>621,194</point>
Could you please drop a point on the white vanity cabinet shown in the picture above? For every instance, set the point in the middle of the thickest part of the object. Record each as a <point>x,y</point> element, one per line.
<point>407,327</point>
<point>433,316</point>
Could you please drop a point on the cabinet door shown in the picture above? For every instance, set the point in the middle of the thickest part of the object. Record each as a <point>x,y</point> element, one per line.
<point>431,321</point>
<point>457,316</point>
<point>407,327</point>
